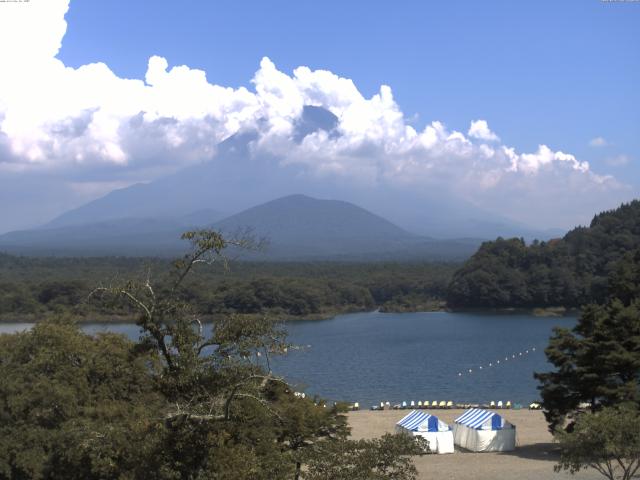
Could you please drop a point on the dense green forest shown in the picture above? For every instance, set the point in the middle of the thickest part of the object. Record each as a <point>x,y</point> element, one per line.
<point>506,273</point>
<point>180,403</point>
<point>569,272</point>
<point>32,287</point>
<point>591,395</point>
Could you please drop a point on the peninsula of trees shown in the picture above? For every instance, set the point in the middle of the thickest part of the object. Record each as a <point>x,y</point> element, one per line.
<point>567,272</point>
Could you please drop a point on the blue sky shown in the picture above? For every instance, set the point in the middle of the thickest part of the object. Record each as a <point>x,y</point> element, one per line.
<point>525,109</point>
<point>559,72</point>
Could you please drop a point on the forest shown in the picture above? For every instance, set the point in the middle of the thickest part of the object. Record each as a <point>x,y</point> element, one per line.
<point>505,273</point>
<point>566,272</point>
<point>34,288</point>
<point>180,403</point>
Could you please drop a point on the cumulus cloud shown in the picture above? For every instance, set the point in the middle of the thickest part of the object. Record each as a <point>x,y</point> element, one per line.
<point>480,129</point>
<point>598,142</point>
<point>53,117</point>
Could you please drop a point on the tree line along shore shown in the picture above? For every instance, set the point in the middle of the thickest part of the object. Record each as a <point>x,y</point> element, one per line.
<point>543,277</point>
<point>34,288</point>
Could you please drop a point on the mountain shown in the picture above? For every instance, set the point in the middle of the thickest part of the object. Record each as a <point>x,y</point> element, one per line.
<point>128,236</point>
<point>323,225</point>
<point>297,227</point>
<point>236,179</point>
<point>570,271</point>
<point>222,184</point>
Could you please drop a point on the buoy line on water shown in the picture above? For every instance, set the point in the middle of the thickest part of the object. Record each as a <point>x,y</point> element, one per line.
<point>498,362</point>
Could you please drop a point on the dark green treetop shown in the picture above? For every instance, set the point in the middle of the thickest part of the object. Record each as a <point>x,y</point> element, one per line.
<point>570,271</point>
<point>607,441</point>
<point>187,401</point>
<point>598,361</point>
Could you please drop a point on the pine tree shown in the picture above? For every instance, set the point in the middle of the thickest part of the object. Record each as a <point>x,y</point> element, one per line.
<point>598,361</point>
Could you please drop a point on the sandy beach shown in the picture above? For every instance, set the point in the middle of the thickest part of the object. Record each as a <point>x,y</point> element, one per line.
<point>533,459</point>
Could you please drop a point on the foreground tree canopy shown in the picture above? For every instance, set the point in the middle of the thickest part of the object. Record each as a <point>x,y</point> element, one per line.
<point>568,272</point>
<point>592,398</point>
<point>74,406</point>
<point>598,361</point>
<point>607,441</point>
<point>187,401</point>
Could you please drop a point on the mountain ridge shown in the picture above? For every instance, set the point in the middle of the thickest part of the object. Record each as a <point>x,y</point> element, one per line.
<point>298,226</point>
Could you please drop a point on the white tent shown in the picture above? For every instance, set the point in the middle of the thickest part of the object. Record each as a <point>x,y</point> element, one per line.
<point>421,424</point>
<point>484,431</point>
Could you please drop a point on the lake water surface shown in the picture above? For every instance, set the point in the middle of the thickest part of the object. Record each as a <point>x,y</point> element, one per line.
<point>373,357</point>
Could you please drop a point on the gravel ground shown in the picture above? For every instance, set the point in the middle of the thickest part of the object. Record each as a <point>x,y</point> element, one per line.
<point>533,458</point>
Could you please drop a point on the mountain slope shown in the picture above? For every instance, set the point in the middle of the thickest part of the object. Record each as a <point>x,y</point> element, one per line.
<point>231,182</point>
<point>297,227</point>
<point>129,237</point>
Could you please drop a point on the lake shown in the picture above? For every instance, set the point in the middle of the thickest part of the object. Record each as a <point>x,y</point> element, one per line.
<point>373,357</point>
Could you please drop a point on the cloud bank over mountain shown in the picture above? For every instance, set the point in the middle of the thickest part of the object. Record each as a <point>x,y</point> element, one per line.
<point>89,131</point>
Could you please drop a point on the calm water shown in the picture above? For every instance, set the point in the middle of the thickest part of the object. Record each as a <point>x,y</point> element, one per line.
<point>373,357</point>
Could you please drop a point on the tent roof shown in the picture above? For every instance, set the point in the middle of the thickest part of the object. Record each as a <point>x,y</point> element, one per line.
<point>415,419</point>
<point>477,418</point>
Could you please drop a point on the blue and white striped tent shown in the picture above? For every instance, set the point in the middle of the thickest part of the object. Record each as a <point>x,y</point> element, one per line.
<point>481,430</point>
<point>417,421</point>
<point>422,424</point>
<point>481,419</point>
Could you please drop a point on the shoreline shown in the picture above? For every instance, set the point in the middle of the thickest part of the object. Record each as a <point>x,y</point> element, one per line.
<point>122,319</point>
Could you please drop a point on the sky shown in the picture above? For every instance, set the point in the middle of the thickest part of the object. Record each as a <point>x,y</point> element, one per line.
<point>525,109</point>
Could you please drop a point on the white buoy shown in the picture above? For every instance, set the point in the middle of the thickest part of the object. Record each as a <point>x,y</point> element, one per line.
<point>480,367</point>
<point>459,374</point>
<point>470,371</point>
<point>498,361</point>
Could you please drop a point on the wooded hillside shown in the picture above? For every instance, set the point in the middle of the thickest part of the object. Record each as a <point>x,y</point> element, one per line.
<point>569,272</point>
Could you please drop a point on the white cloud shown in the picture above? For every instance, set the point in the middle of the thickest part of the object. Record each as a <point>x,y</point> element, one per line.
<point>31,31</point>
<point>598,142</point>
<point>53,117</point>
<point>480,129</point>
